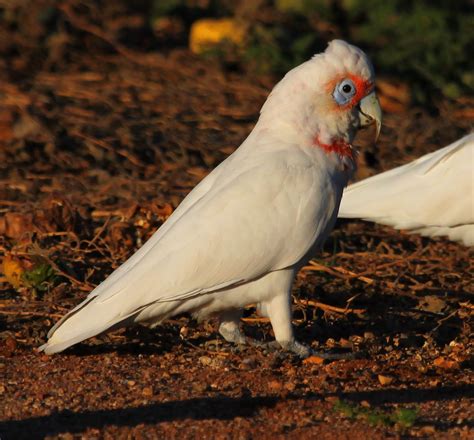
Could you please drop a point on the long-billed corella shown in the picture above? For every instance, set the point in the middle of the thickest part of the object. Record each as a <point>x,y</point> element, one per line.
<point>244,231</point>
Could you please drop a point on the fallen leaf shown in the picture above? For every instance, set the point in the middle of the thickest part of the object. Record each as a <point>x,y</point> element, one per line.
<point>390,105</point>
<point>8,347</point>
<point>275,385</point>
<point>11,343</point>
<point>394,96</point>
<point>13,271</point>
<point>446,364</point>
<point>163,211</point>
<point>205,360</point>
<point>432,303</point>
<point>15,224</point>
<point>60,214</point>
<point>464,113</point>
<point>315,360</point>
<point>29,127</point>
<point>428,430</point>
<point>345,343</point>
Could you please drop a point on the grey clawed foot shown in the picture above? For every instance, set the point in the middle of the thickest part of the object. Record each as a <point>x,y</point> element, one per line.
<point>334,356</point>
<point>303,351</point>
<point>293,347</point>
<point>230,331</point>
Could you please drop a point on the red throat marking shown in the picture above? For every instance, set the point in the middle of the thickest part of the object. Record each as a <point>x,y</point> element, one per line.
<point>340,147</point>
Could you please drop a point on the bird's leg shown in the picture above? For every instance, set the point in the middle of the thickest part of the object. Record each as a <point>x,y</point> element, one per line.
<point>279,312</point>
<point>229,327</point>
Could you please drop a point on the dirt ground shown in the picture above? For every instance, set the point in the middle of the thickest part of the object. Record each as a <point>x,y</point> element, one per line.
<point>98,144</point>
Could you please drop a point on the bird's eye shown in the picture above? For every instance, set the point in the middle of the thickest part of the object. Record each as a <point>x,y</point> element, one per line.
<point>344,91</point>
<point>346,88</point>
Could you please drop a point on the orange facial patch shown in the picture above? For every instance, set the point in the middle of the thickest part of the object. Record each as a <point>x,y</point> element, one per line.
<point>363,88</point>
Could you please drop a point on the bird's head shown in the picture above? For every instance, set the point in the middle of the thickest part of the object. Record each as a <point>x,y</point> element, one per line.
<point>325,100</point>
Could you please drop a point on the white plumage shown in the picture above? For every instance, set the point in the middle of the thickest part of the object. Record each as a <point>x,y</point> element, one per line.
<point>242,234</point>
<point>433,195</point>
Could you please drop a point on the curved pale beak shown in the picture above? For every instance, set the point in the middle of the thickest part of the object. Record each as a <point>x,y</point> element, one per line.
<point>370,111</point>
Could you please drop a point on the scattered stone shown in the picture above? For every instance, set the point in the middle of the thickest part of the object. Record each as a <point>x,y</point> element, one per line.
<point>385,380</point>
<point>147,392</point>
<point>275,385</point>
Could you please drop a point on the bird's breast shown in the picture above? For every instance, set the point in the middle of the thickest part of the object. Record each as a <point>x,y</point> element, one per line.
<point>312,200</point>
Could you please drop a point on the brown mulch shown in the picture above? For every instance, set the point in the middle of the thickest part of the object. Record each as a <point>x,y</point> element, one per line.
<point>99,142</point>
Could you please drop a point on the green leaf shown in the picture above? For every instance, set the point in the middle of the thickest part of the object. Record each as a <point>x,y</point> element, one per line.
<point>39,277</point>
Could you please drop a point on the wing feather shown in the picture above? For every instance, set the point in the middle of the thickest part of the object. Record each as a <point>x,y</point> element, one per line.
<point>436,190</point>
<point>232,233</point>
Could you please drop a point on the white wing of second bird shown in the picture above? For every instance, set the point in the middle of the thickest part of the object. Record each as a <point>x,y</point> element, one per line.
<point>432,196</point>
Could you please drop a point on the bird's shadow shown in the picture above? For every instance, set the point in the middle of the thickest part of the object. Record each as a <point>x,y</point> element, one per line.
<point>166,338</point>
<point>383,322</point>
<point>217,408</point>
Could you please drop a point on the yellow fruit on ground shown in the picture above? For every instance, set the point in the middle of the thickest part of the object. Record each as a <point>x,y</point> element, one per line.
<point>207,33</point>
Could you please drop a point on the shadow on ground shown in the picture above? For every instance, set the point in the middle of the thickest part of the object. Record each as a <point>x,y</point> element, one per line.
<point>220,408</point>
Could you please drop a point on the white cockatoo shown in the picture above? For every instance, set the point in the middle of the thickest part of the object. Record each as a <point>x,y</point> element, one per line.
<point>433,195</point>
<point>243,232</point>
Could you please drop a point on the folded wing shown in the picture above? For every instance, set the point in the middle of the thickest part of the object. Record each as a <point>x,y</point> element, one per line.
<point>239,225</point>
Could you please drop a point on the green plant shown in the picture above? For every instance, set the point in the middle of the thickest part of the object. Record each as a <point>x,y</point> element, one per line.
<point>39,278</point>
<point>428,44</point>
<point>404,417</point>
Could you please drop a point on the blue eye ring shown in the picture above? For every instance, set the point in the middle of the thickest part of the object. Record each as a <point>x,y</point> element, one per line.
<point>344,91</point>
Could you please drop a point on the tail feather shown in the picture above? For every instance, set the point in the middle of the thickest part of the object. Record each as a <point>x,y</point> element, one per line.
<point>72,312</point>
<point>93,317</point>
<point>88,319</point>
